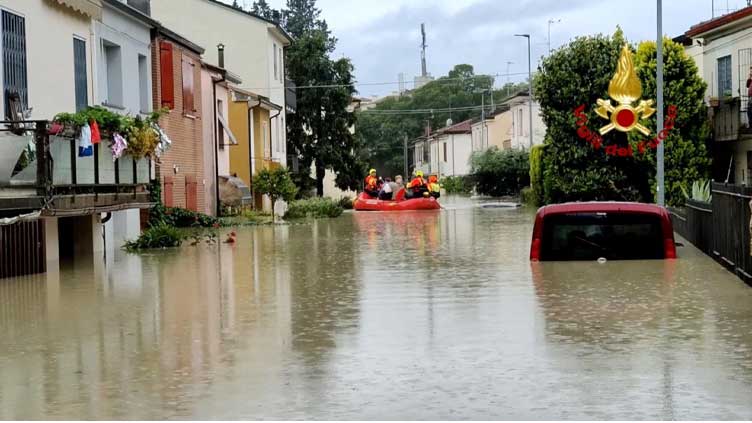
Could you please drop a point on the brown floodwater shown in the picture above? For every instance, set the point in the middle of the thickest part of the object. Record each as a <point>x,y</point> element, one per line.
<point>427,315</point>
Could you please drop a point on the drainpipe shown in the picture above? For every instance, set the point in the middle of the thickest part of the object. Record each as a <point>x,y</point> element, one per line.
<point>270,129</point>
<point>250,149</point>
<point>221,61</point>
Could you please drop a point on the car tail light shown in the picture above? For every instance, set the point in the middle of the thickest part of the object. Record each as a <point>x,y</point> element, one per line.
<point>669,248</point>
<point>535,248</point>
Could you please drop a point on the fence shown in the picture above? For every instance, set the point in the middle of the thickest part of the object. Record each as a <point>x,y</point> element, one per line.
<point>721,229</point>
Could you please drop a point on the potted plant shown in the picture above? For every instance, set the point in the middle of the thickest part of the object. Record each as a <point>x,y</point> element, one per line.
<point>727,97</point>
<point>714,102</point>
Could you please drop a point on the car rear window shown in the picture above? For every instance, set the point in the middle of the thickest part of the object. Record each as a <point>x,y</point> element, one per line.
<point>590,236</point>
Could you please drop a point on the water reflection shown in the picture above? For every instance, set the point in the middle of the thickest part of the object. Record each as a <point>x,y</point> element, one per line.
<point>377,316</point>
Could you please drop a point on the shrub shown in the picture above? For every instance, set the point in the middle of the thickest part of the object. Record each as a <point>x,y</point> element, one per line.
<point>701,191</point>
<point>528,197</point>
<point>536,175</point>
<point>457,184</point>
<point>500,172</point>
<point>161,236</point>
<point>275,183</point>
<point>346,203</point>
<point>184,218</point>
<point>313,207</point>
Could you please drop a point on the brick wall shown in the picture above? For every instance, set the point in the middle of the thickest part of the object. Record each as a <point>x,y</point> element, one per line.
<point>184,127</point>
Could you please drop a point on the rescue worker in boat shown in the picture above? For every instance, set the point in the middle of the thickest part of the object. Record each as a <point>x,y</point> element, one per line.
<point>399,191</point>
<point>433,186</point>
<point>371,185</point>
<point>388,189</point>
<point>417,187</point>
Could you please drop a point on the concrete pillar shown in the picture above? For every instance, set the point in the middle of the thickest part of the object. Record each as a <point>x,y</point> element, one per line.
<point>51,242</point>
<point>126,226</point>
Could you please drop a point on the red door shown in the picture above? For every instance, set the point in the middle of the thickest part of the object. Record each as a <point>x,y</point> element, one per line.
<point>191,191</point>
<point>167,197</point>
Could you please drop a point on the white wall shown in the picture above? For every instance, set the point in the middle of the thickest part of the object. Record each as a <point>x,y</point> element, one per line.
<point>459,150</point>
<point>249,49</point>
<point>134,38</point>
<point>50,29</point>
<point>521,117</point>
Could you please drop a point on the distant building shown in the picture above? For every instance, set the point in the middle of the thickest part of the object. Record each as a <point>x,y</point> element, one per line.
<point>520,113</point>
<point>445,152</point>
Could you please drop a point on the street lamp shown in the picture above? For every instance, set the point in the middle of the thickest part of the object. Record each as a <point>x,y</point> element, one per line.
<point>530,84</point>
<point>551,21</point>
<point>660,189</point>
<point>508,80</point>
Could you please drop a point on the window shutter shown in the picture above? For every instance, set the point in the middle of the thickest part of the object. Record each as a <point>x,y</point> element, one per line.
<point>166,75</point>
<point>188,103</point>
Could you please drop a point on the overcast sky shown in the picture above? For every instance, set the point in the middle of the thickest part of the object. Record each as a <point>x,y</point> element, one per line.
<point>383,37</point>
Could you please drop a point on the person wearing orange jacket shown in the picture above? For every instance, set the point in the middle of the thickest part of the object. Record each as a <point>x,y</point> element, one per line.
<point>372,184</point>
<point>417,187</point>
<point>433,186</point>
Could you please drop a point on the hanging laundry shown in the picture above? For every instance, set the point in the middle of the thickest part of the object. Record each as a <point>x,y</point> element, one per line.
<point>85,149</point>
<point>164,141</point>
<point>119,144</point>
<point>95,136</point>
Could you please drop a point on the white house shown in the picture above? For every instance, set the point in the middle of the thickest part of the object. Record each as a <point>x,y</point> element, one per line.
<point>722,50</point>
<point>519,107</point>
<point>254,47</point>
<point>445,152</point>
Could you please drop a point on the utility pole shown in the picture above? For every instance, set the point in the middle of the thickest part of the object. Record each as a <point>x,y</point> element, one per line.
<point>508,78</point>
<point>551,21</point>
<point>530,84</point>
<point>659,116</point>
<point>482,118</point>
<point>407,175</point>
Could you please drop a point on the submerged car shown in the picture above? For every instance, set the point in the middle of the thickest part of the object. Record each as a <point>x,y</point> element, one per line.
<point>602,230</point>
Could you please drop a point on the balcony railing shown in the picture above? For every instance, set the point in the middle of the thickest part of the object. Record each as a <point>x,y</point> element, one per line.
<point>35,163</point>
<point>291,99</point>
<point>729,120</point>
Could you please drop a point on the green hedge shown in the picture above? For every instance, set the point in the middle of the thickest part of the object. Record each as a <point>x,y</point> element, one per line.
<point>457,184</point>
<point>160,236</point>
<point>500,172</point>
<point>536,175</point>
<point>313,207</point>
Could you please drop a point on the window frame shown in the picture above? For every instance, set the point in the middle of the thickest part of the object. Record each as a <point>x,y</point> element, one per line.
<point>81,103</point>
<point>23,73</point>
<point>188,67</point>
<point>725,80</point>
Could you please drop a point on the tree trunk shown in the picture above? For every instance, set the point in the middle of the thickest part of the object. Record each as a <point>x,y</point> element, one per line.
<point>320,172</point>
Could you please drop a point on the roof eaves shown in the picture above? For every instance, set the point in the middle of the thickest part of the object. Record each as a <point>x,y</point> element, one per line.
<point>716,23</point>
<point>253,15</point>
<point>174,36</point>
<point>132,12</point>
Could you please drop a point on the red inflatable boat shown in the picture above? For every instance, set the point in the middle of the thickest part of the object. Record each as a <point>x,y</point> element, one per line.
<point>367,203</point>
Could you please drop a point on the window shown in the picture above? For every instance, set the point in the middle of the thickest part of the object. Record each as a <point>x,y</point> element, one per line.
<point>282,143</point>
<point>189,105</point>
<point>79,74</point>
<point>113,73</point>
<point>724,76</point>
<point>275,62</point>
<point>519,122</point>
<point>445,152</point>
<point>281,64</point>
<point>14,60</point>
<point>166,77</point>
<point>143,84</point>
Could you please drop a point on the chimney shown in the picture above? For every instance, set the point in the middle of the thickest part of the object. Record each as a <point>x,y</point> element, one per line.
<point>143,6</point>
<point>221,55</point>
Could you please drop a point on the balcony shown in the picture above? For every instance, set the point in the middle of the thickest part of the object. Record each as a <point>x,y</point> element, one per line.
<point>730,121</point>
<point>43,172</point>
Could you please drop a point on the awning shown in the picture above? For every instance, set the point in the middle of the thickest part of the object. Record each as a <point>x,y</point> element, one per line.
<point>226,128</point>
<point>92,8</point>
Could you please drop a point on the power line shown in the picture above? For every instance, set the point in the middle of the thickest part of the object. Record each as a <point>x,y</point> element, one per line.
<point>355,84</point>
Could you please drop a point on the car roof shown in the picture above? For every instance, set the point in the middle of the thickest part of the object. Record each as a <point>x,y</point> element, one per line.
<point>602,206</point>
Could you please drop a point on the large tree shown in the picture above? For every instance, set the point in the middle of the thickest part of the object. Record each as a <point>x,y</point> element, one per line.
<point>319,130</point>
<point>579,74</point>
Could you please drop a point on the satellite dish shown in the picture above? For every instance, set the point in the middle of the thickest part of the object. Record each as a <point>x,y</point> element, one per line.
<point>449,122</point>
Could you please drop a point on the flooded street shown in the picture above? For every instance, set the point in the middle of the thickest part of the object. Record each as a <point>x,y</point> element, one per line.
<point>414,315</point>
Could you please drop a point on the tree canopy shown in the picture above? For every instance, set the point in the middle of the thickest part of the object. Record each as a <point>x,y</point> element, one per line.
<point>579,74</point>
<point>382,130</point>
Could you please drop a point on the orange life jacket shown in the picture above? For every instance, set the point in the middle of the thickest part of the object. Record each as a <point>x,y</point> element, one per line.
<point>416,184</point>
<point>371,182</point>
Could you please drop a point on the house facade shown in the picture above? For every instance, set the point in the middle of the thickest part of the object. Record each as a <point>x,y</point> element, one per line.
<point>519,108</point>
<point>254,47</point>
<point>53,202</point>
<point>722,50</point>
<point>445,152</point>
<point>176,71</point>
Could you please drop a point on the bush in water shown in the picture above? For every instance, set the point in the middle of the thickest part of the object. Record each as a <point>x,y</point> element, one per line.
<point>500,172</point>
<point>457,184</point>
<point>346,203</point>
<point>313,207</point>
<point>160,236</point>
<point>536,175</point>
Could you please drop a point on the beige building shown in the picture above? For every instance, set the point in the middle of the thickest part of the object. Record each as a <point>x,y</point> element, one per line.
<point>253,46</point>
